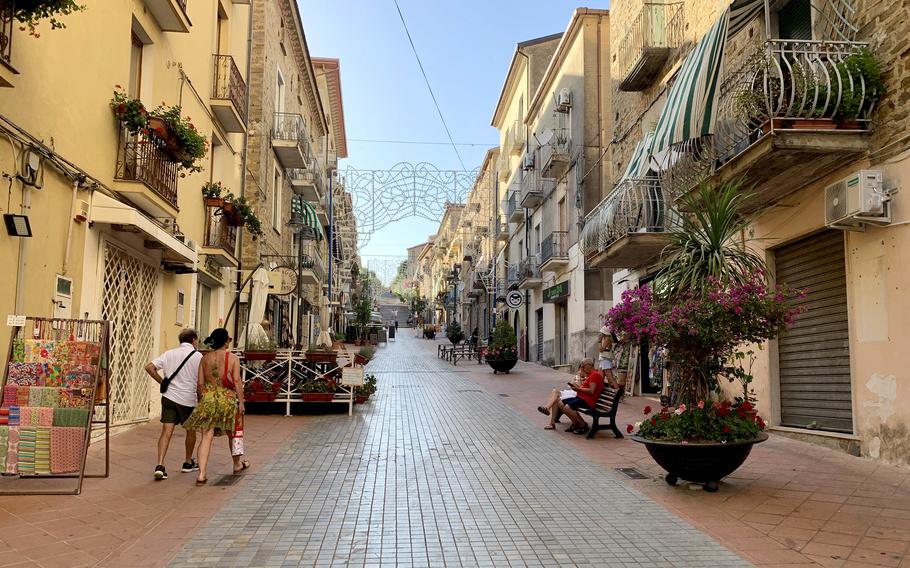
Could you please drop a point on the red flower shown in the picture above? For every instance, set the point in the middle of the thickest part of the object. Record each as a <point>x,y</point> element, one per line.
<point>654,422</point>
<point>664,416</point>
<point>647,410</point>
<point>746,406</point>
<point>726,429</point>
<point>761,423</point>
<point>121,108</point>
<point>629,429</point>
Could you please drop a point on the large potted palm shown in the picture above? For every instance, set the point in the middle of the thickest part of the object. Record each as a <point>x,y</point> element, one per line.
<point>711,301</point>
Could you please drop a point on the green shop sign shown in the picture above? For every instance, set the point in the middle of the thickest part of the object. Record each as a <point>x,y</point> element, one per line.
<point>556,293</point>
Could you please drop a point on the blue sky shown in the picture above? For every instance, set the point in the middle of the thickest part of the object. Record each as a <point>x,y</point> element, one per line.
<point>465,47</point>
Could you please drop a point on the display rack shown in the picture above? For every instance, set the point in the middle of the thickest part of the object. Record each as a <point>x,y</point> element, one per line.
<point>55,383</point>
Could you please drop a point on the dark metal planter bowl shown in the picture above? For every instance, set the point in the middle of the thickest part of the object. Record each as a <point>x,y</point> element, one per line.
<point>701,463</point>
<point>502,365</point>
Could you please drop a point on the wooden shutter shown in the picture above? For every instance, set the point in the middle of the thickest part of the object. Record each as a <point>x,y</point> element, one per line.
<point>815,387</point>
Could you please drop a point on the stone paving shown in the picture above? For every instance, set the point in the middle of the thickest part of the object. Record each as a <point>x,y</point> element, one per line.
<point>438,472</point>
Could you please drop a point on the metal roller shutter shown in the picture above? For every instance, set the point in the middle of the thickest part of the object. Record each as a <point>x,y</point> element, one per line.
<point>814,356</point>
<point>539,335</point>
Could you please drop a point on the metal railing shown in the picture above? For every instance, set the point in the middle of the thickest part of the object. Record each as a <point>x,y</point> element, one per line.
<point>637,205</point>
<point>145,159</point>
<point>229,84</point>
<point>657,26</point>
<point>312,258</point>
<point>529,268</point>
<point>554,246</point>
<point>7,11</point>
<point>512,274</point>
<point>559,147</point>
<point>291,126</point>
<point>511,204</point>
<point>182,4</point>
<point>516,137</point>
<point>305,175</point>
<point>218,232</point>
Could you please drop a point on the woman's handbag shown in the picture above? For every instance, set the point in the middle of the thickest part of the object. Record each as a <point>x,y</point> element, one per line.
<point>236,436</point>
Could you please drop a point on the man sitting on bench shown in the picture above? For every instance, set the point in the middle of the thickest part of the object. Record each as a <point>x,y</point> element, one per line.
<point>586,394</point>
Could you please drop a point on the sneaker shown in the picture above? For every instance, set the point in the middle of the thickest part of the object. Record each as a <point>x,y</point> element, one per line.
<point>160,473</point>
<point>190,466</point>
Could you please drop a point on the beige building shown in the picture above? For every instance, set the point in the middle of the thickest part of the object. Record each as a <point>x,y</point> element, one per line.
<point>822,167</point>
<point>119,231</point>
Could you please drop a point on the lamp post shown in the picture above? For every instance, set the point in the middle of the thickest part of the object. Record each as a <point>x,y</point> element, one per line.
<point>296,223</point>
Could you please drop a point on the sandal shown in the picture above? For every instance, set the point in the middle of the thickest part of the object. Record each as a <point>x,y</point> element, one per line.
<point>571,428</point>
<point>581,430</point>
<point>201,482</point>
<point>543,410</point>
<point>550,427</point>
<point>243,465</point>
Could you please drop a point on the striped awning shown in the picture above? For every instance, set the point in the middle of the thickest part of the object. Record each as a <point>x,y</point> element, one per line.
<point>308,216</point>
<point>639,165</point>
<point>691,108</point>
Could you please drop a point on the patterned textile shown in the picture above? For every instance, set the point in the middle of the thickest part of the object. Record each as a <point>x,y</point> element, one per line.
<point>74,399</point>
<point>83,353</point>
<point>10,396</point>
<point>4,444</point>
<point>34,396</point>
<point>26,374</point>
<point>50,397</point>
<point>45,417</point>
<point>71,417</point>
<point>67,445</point>
<point>42,351</point>
<point>28,416</point>
<point>12,452</point>
<point>28,437</point>
<point>22,396</point>
<point>18,352</point>
<point>76,377</point>
<point>13,415</point>
<point>42,450</point>
<point>217,410</point>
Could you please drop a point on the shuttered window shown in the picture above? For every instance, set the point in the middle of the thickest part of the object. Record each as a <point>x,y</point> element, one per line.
<point>815,387</point>
<point>795,20</point>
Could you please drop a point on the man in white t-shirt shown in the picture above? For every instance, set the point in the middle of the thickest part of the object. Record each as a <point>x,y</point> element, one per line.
<point>181,364</point>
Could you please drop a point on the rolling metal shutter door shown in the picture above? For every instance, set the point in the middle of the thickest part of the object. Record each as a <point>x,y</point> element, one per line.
<point>815,387</point>
<point>539,335</point>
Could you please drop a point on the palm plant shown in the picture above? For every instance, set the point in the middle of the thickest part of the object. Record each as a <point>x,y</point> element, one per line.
<point>709,243</point>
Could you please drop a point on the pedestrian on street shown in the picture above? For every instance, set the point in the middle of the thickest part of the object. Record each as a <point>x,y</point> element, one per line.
<point>178,396</point>
<point>220,409</point>
<point>396,325</point>
<point>586,395</point>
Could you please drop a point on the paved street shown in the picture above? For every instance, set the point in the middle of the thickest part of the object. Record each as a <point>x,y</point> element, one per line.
<point>438,472</point>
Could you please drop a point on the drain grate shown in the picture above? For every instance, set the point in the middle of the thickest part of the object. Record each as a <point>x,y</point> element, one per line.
<point>228,480</point>
<point>470,390</point>
<point>632,472</point>
<point>503,395</point>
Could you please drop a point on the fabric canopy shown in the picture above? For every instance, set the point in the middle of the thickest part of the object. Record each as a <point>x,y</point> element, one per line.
<point>308,216</point>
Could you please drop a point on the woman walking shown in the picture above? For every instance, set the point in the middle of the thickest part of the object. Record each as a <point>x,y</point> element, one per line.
<point>220,407</point>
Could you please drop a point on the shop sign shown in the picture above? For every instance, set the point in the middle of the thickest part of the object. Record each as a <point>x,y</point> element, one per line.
<point>283,280</point>
<point>514,299</point>
<point>556,293</point>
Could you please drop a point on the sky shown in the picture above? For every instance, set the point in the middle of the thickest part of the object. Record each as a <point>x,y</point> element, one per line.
<point>465,46</point>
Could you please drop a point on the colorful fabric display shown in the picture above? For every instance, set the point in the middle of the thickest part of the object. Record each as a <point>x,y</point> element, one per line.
<point>10,396</point>
<point>39,351</point>
<point>28,416</point>
<point>85,353</point>
<point>34,396</point>
<point>75,377</point>
<point>12,451</point>
<point>13,415</point>
<point>4,444</point>
<point>46,417</point>
<point>26,374</point>
<point>67,445</point>
<point>50,397</point>
<point>71,417</point>
<point>18,351</point>
<point>22,396</point>
<point>28,437</point>
<point>42,451</point>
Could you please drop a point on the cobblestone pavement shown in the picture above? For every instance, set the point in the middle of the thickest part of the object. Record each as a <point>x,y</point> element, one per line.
<point>436,472</point>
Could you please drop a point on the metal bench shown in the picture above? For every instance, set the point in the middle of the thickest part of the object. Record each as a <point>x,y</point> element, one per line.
<point>606,407</point>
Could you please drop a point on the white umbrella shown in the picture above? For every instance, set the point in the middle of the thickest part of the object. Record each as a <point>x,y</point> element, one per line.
<point>255,334</point>
<point>324,339</point>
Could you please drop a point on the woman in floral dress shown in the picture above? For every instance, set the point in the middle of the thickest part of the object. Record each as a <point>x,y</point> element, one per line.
<point>220,399</point>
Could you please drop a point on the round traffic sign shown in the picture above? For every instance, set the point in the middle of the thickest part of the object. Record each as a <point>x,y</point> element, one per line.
<point>514,299</point>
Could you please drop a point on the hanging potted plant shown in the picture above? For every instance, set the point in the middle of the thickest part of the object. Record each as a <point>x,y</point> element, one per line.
<point>30,12</point>
<point>711,301</point>
<point>184,143</point>
<point>129,111</point>
<point>213,194</point>
<point>502,353</point>
<point>364,392</point>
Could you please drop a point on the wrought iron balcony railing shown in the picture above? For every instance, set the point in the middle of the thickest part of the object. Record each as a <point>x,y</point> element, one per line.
<point>554,247</point>
<point>312,258</point>
<point>218,232</point>
<point>145,159</point>
<point>511,206</point>
<point>529,268</point>
<point>7,10</point>
<point>658,29</point>
<point>229,84</point>
<point>555,155</point>
<point>512,275</point>
<point>291,126</point>
<point>637,205</point>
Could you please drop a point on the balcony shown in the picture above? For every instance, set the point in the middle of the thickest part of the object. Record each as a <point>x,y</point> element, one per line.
<point>653,35</point>
<point>517,138</point>
<point>170,15</point>
<point>290,140</point>
<point>630,227</point>
<point>228,100</point>
<point>220,242</point>
<point>312,267</point>
<point>7,24</point>
<point>787,117</point>
<point>554,250</point>
<point>502,229</point>
<point>529,272</point>
<point>148,174</point>
<point>514,213</point>
<point>531,191</point>
<point>512,275</point>
<point>306,183</point>
<point>556,155</point>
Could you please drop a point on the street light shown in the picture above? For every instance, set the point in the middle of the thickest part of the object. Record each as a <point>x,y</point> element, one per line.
<point>302,231</point>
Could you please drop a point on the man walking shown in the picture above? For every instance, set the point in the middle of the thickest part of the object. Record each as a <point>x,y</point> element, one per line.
<point>178,395</point>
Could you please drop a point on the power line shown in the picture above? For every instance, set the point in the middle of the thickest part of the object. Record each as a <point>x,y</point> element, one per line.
<point>418,142</point>
<point>427,81</point>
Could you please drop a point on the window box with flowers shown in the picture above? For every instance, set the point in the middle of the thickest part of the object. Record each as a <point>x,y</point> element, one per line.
<point>502,354</point>
<point>236,210</point>
<point>317,390</point>
<point>260,390</point>
<point>709,304</point>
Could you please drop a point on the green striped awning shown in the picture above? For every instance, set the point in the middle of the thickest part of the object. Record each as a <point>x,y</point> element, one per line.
<point>308,215</point>
<point>639,164</point>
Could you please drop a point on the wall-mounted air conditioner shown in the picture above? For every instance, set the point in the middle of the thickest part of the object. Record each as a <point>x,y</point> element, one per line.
<point>563,100</point>
<point>528,162</point>
<point>857,199</point>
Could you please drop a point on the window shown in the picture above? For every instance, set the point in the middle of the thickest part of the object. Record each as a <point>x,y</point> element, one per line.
<point>203,310</point>
<point>280,93</point>
<point>537,238</point>
<point>794,20</point>
<point>597,285</point>
<point>276,201</point>
<point>181,303</point>
<point>135,84</point>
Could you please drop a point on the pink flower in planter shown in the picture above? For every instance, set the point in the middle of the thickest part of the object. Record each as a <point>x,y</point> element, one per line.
<point>701,404</point>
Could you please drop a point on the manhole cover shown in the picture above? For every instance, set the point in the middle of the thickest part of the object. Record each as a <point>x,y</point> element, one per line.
<point>228,480</point>
<point>632,473</point>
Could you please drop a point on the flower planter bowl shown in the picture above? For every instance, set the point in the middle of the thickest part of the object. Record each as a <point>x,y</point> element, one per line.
<point>359,399</point>
<point>502,365</point>
<point>706,463</point>
<point>317,396</point>
<point>259,355</point>
<point>214,202</point>
<point>360,359</point>
<point>321,357</point>
<point>259,396</point>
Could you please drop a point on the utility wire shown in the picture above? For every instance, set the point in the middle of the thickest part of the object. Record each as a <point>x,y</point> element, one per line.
<point>427,81</point>
<point>417,142</point>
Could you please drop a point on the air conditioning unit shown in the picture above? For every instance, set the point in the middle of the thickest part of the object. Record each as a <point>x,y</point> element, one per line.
<point>528,162</point>
<point>190,244</point>
<point>857,199</point>
<point>563,100</point>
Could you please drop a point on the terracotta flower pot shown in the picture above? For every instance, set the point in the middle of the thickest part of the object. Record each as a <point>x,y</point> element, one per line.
<point>259,355</point>
<point>259,397</point>
<point>214,201</point>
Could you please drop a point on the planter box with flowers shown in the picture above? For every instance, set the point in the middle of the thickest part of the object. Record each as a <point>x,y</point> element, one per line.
<point>317,390</point>
<point>502,354</point>
<point>236,210</point>
<point>705,314</point>
<point>260,390</point>
<point>364,392</point>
